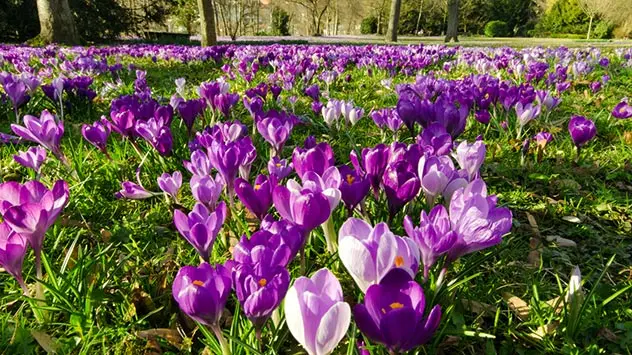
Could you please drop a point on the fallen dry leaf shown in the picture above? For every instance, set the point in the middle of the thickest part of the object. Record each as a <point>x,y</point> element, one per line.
<point>519,307</point>
<point>48,343</point>
<point>170,335</point>
<point>544,330</point>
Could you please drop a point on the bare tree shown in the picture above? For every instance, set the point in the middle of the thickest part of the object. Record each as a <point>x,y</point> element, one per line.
<point>207,22</point>
<point>316,10</point>
<point>453,21</point>
<point>393,21</point>
<point>591,8</point>
<point>56,22</point>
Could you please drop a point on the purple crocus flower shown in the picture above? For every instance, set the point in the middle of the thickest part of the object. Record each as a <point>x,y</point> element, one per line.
<point>289,233</point>
<point>393,313</point>
<point>12,251</point>
<point>33,158</point>
<point>353,187</point>
<point>202,292</point>
<point>31,209</point>
<point>133,191</point>
<point>542,138</point>
<point>316,313</point>
<point>123,123</point>
<point>315,158</point>
<point>190,110</point>
<point>595,86</point>
<point>46,131</point>
<point>256,198</point>
<point>279,168</point>
<point>435,172</point>
<point>170,184</point>
<point>471,156</point>
<point>303,207</point>
<point>476,220</point>
<point>434,236</point>
<point>622,110</point>
<point>526,112</point>
<point>400,184</point>
<point>313,91</point>
<point>16,91</point>
<point>582,130</point>
<point>97,134</point>
<point>275,131</point>
<point>436,138</point>
<point>374,162</point>
<point>369,253</point>
<point>224,102</point>
<point>248,154</point>
<point>225,158</point>
<point>199,164</point>
<point>156,134</point>
<point>200,227</point>
<point>248,249</point>
<point>260,287</point>
<point>232,131</point>
<point>206,189</point>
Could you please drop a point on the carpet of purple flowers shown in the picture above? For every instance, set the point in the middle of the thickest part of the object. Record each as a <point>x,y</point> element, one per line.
<point>315,199</point>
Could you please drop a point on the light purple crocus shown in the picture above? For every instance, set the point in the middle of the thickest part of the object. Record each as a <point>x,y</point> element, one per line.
<point>476,220</point>
<point>45,130</point>
<point>435,172</point>
<point>33,158</point>
<point>436,138</point>
<point>316,313</point>
<point>622,110</point>
<point>275,131</point>
<point>369,253</point>
<point>279,168</point>
<point>301,206</point>
<point>97,134</point>
<point>206,189</point>
<point>316,158</point>
<point>434,236</point>
<point>170,184</point>
<point>133,191</point>
<point>527,112</point>
<point>201,227</point>
<point>471,156</point>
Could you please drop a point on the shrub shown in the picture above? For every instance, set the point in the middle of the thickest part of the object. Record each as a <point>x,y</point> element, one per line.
<point>280,22</point>
<point>368,25</point>
<point>602,30</point>
<point>496,29</point>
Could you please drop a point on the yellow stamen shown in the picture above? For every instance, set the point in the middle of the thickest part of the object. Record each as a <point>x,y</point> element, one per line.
<point>278,165</point>
<point>262,282</point>
<point>396,305</point>
<point>350,179</point>
<point>399,261</point>
<point>198,283</point>
<point>257,187</point>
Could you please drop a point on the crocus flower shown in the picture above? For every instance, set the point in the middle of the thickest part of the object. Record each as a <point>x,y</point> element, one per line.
<point>206,189</point>
<point>317,158</point>
<point>369,253</point>
<point>260,286</point>
<point>202,292</point>
<point>224,102</point>
<point>289,234</point>
<point>232,131</point>
<point>170,184</point>
<point>12,251</point>
<point>316,313</point>
<point>582,130</point>
<point>351,113</point>
<point>435,172</point>
<point>433,237</point>
<point>16,91</point>
<point>400,184</point>
<point>46,131</point>
<point>123,123</point>
<point>303,207</point>
<point>471,156</point>
<point>374,162</point>
<point>313,92</point>
<point>97,134</point>
<point>225,158</point>
<point>622,110</point>
<point>189,110</point>
<point>199,164</point>
<point>156,134</point>
<point>353,187</point>
<point>393,313</point>
<point>437,138</point>
<point>33,158</point>
<point>200,227</point>
<point>31,209</point>
<point>249,249</point>
<point>248,154</point>
<point>279,168</point>
<point>526,112</point>
<point>133,191</point>
<point>476,220</point>
<point>542,138</point>
<point>275,131</point>
<point>256,198</point>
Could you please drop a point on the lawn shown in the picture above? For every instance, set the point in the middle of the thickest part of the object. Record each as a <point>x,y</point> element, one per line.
<point>109,261</point>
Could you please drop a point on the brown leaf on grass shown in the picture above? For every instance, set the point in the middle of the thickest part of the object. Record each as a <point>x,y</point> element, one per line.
<point>535,243</point>
<point>608,335</point>
<point>544,330</point>
<point>152,347</point>
<point>562,242</point>
<point>106,235</point>
<point>519,307</point>
<point>170,335</point>
<point>627,137</point>
<point>478,307</point>
<point>48,343</point>
<point>556,303</point>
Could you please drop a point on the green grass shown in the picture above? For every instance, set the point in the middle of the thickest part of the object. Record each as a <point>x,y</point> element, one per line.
<point>110,263</point>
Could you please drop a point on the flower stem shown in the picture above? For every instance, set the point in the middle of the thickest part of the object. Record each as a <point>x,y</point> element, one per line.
<point>330,236</point>
<point>222,341</point>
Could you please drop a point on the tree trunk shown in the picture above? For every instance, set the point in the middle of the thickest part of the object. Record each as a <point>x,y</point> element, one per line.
<point>453,21</point>
<point>207,22</point>
<point>56,22</point>
<point>393,21</point>
<point>421,9</point>
<point>589,27</point>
